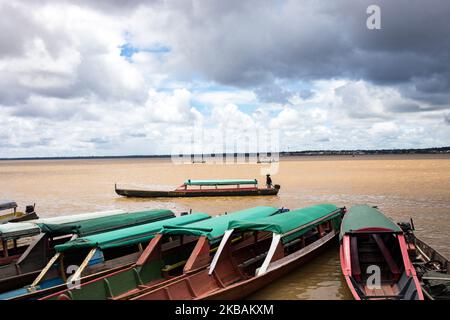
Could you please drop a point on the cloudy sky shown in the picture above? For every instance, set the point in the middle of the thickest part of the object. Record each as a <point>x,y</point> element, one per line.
<point>78,78</point>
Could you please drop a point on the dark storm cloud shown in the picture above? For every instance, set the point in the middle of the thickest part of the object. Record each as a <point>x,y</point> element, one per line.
<point>251,43</point>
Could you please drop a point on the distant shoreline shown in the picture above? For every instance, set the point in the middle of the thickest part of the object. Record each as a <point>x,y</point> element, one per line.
<point>284,154</point>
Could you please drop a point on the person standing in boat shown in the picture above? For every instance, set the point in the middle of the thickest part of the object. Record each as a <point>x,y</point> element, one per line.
<point>268,181</point>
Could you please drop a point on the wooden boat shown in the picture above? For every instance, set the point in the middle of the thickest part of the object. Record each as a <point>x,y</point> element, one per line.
<point>16,237</point>
<point>95,255</point>
<point>431,266</point>
<point>205,188</point>
<point>24,270</point>
<point>374,257</point>
<point>254,253</point>
<point>433,271</point>
<point>16,216</point>
<point>175,252</point>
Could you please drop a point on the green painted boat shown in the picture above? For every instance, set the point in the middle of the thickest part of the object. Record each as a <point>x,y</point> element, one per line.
<point>205,188</point>
<point>254,253</point>
<point>16,237</point>
<point>52,232</point>
<point>173,253</point>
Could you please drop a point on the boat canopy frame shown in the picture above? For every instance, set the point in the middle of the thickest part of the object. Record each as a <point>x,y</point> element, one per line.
<point>214,228</point>
<point>284,228</point>
<point>8,204</point>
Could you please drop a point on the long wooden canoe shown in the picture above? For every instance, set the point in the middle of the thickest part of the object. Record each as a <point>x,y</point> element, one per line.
<point>205,188</point>
<point>175,252</point>
<point>16,237</point>
<point>374,257</point>
<point>27,267</point>
<point>253,254</point>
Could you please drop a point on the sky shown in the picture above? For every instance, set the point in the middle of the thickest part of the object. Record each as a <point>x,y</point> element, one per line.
<point>99,78</point>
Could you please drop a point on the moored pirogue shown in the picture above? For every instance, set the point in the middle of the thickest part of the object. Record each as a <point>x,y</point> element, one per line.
<point>205,188</point>
<point>374,257</point>
<point>254,253</point>
<point>26,266</point>
<point>175,252</point>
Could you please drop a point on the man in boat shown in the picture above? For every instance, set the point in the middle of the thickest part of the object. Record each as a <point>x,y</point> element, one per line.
<point>268,181</point>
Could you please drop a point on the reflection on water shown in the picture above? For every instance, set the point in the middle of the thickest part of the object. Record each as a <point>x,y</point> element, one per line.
<point>402,187</point>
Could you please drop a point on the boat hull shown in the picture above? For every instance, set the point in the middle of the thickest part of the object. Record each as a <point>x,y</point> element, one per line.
<point>198,193</point>
<point>201,286</point>
<point>244,289</point>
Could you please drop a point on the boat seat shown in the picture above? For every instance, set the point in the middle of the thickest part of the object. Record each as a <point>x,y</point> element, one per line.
<point>251,261</point>
<point>289,244</point>
<point>354,254</point>
<point>387,256</point>
<point>170,267</point>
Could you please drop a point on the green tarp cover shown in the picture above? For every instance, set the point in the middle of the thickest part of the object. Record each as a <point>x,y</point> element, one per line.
<point>104,224</point>
<point>363,216</point>
<point>218,182</point>
<point>128,236</point>
<point>215,227</point>
<point>289,221</point>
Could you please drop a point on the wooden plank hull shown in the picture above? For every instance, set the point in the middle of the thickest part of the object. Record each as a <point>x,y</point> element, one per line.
<point>198,193</point>
<point>202,286</point>
<point>244,289</point>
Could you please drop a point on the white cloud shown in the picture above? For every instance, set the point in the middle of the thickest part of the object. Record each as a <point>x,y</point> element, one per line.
<point>64,83</point>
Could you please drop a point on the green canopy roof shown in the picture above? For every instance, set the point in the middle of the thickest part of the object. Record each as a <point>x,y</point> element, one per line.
<point>363,217</point>
<point>104,224</point>
<point>215,227</point>
<point>128,236</point>
<point>218,182</point>
<point>290,224</point>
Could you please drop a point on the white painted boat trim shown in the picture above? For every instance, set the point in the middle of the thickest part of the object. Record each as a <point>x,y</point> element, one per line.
<point>222,244</point>
<point>273,246</point>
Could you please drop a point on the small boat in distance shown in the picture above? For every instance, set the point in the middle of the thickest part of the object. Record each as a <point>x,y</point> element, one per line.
<point>16,216</point>
<point>205,188</point>
<point>374,257</point>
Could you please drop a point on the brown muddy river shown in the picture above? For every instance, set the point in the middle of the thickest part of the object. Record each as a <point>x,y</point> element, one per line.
<point>401,186</point>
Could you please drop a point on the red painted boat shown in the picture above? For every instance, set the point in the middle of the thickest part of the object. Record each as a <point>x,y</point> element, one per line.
<point>175,252</point>
<point>254,253</point>
<point>205,188</point>
<point>374,257</point>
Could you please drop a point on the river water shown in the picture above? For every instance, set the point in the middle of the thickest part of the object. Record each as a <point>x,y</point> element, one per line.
<point>402,187</point>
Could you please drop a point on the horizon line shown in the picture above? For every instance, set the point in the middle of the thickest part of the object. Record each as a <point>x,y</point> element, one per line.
<point>282,153</point>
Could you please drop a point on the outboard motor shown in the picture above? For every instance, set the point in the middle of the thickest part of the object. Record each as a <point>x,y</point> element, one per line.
<point>29,209</point>
<point>408,230</point>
